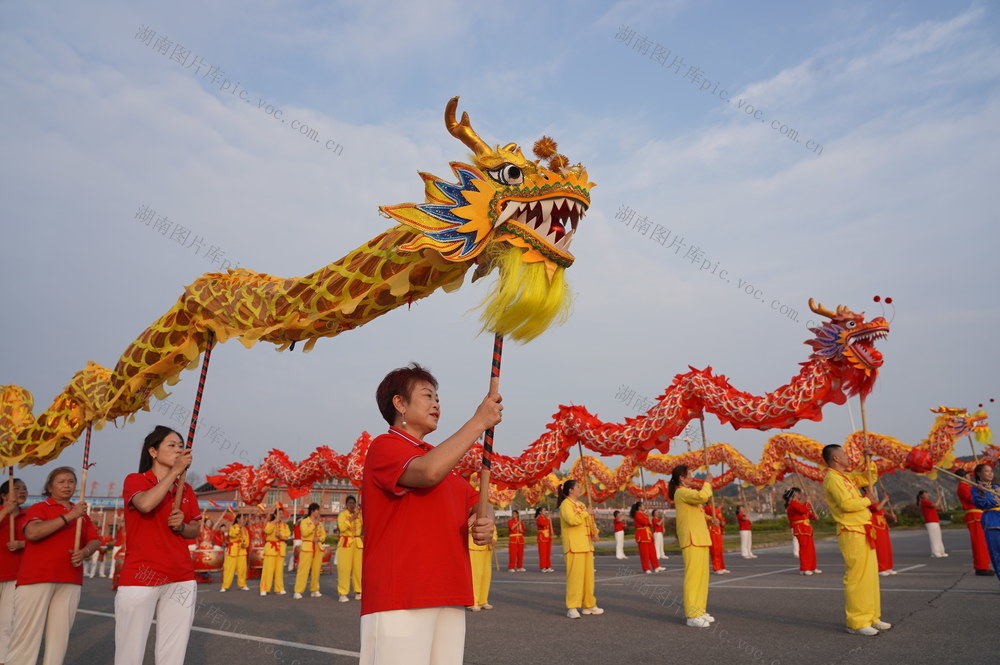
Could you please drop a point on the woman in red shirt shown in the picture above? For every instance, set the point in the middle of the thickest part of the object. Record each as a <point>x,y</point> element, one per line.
<point>413,605</point>
<point>746,534</point>
<point>932,523</point>
<point>51,573</point>
<point>158,574</point>
<point>515,548</point>
<point>799,514</point>
<point>544,525</point>
<point>13,495</point>
<point>657,517</point>
<point>619,535</point>
<point>644,538</point>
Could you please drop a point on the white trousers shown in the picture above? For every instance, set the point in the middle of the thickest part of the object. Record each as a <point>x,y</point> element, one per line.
<point>745,544</point>
<point>48,608</point>
<point>937,545</point>
<point>658,544</point>
<point>92,565</point>
<point>795,546</point>
<point>173,605</point>
<point>6,616</point>
<point>620,544</point>
<point>428,636</point>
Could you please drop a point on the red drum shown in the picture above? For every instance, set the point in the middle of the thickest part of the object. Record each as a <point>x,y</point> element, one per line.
<point>207,561</point>
<point>255,557</point>
<point>327,554</point>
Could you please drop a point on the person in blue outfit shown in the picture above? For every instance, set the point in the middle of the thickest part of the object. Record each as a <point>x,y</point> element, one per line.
<point>986,497</point>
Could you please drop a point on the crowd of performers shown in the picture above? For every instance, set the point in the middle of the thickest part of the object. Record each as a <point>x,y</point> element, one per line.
<point>412,609</point>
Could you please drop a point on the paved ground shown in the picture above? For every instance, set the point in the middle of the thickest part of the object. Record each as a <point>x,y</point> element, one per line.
<point>766,614</point>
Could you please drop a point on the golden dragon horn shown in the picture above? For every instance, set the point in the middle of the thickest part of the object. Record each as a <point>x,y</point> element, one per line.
<point>463,130</point>
<point>819,309</point>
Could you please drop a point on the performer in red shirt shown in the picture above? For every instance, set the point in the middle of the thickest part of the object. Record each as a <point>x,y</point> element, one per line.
<point>51,573</point>
<point>883,544</point>
<point>158,575</point>
<point>544,525</point>
<point>799,514</point>
<point>973,520</point>
<point>619,535</point>
<point>932,523</point>
<point>644,538</point>
<point>413,605</point>
<point>515,551</point>
<point>716,529</point>
<point>13,494</point>
<point>657,519</point>
<point>746,534</point>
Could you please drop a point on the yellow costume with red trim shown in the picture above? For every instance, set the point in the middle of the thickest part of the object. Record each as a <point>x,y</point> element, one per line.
<point>275,535</point>
<point>236,557</point>
<point>349,552</point>
<point>481,558</point>
<point>310,555</point>
<point>695,541</point>
<point>578,549</point>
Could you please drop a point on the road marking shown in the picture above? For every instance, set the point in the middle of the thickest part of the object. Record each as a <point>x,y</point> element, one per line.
<point>251,638</point>
<point>919,565</point>
<point>747,577</point>
<point>841,589</point>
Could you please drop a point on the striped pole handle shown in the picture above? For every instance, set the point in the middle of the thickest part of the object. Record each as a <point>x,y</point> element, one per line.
<point>194,414</point>
<point>484,473</point>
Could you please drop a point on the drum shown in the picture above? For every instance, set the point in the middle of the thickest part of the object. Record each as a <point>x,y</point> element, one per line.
<point>255,557</point>
<point>207,561</point>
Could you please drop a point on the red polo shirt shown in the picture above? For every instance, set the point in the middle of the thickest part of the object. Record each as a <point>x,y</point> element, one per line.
<point>156,555</point>
<point>11,561</point>
<point>47,560</point>
<point>619,525</point>
<point>929,510</point>
<point>415,552</point>
<point>744,521</point>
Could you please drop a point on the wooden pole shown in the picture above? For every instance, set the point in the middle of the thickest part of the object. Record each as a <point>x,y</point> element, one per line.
<point>179,495</point>
<point>867,455</point>
<point>10,494</point>
<point>586,474</point>
<point>482,510</point>
<point>83,487</point>
<point>708,469</point>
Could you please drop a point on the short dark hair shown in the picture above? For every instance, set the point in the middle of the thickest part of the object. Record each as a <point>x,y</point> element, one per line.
<point>400,382</point>
<point>828,451</point>
<point>350,497</point>
<point>6,488</point>
<point>312,506</point>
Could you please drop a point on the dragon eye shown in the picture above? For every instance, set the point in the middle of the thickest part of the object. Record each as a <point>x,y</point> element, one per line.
<point>851,324</point>
<point>508,174</point>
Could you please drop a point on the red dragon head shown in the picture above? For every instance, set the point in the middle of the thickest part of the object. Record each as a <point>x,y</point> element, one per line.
<point>847,342</point>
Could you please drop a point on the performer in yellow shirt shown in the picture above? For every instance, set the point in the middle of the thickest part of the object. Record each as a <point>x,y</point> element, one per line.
<point>481,558</point>
<point>856,536</point>
<point>349,550</point>
<point>276,533</point>
<point>578,549</point>
<point>311,555</point>
<point>695,541</point>
<point>236,557</point>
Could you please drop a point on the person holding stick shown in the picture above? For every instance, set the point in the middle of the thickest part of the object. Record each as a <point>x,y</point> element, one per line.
<point>276,532</point>
<point>349,550</point>
<point>515,545</point>
<point>50,577</point>
<point>544,525</point>
<point>862,602</point>
<point>578,550</point>
<point>644,539</point>
<point>412,612</point>
<point>716,532</point>
<point>157,577</point>
<point>311,554</point>
<point>986,497</point>
<point>799,515</point>
<point>13,495</point>
<point>694,540</point>
<point>883,544</point>
<point>932,522</point>
<point>973,520</point>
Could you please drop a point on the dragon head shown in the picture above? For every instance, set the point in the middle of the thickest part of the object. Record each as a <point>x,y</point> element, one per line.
<point>506,212</point>
<point>959,422</point>
<point>847,341</point>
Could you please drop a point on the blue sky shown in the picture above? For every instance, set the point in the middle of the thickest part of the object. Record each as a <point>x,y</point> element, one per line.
<point>902,97</point>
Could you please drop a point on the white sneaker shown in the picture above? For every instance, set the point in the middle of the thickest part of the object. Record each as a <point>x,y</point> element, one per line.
<point>343,599</point>
<point>805,572</point>
<point>244,588</point>
<point>316,594</point>
<point>522,570</point>
<point>893,571</point>
<point>867,630</point>
<point>222,590</point>
<point>592,610</point>
<point>357,596</point>
<point>884,573</point>
<point>726,571</point>
<point>487,606</point>
<point>659,570</point>
<point>708,617</point>
<point>881,625</point>
<point>475,608</point>
<point>282,592</point>
<point>263,593</point>
<point>649,572</point>
<point>817,571</point>
<point>698,622</point>
<point>573,613</point>
<point>297,596</point>
<point>512,570</point>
